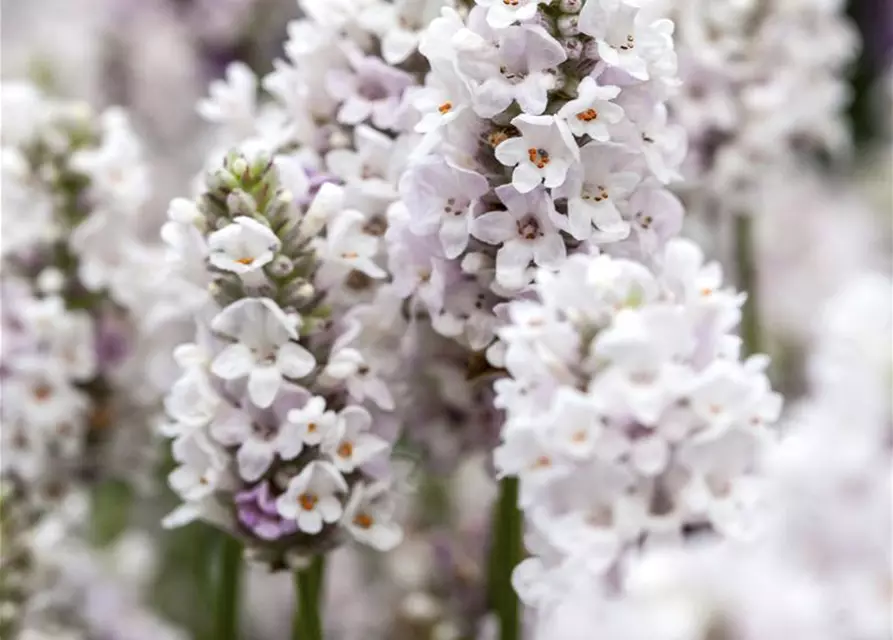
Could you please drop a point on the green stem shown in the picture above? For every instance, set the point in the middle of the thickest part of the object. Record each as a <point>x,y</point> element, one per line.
<point>229,576</point>
<point>506,551</point>
<point>110,511</point>
<point>747,282</point>
<point>307,622</point>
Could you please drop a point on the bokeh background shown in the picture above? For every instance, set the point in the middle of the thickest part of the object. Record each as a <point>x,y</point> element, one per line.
<point>156,57</point>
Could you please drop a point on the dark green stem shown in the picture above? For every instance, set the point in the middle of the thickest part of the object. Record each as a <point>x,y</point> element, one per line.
<point>307,623</point>
<point>229,578</point>
<point>747,282</point>
<point>110,511</point>
<point>506,551</point>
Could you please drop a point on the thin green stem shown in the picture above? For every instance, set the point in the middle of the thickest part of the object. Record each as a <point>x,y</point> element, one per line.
<point>229,578</point>
<point>506,551</point>
<point>307,621</point>
<point>747,281</point>
<point>495,560</point>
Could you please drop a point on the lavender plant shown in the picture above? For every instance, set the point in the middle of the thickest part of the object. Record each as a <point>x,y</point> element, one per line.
<point>79,392</point>
<point>272,419</point>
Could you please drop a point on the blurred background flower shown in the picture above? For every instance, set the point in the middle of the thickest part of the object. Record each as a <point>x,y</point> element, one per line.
<point>822,239</point>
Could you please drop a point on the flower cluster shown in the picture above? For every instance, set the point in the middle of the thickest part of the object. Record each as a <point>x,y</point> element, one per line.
<point>16,560</point>
<point>544,133</point>
<point>336,107</point>
<point>77,287</point>
<point>631,420</point>
<point>55,586</point>
<point>341,103</point>
<point>273,419</point>
<point>751,100</point>
<point>819,568</point>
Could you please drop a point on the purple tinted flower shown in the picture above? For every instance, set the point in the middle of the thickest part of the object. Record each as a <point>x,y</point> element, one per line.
<point>373,90</point>
<point>318,179</point>
<point>113,340</point>
<point>256,511</point>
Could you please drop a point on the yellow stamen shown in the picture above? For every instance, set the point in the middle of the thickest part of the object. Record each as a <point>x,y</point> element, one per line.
<point>345,450</point>
<point>363,521</point>
<point>307,501</point>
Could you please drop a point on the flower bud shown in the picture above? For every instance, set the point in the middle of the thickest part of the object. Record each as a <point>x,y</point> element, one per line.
<point>573,47</point>
<point>298,293</point>
<point>280,267</point>
<point>240,203</point>
<point>329,200</point>
<point>569,25</point>
<point>278,211</point>
<point>221,180</point>
<point>260,165</point>
<point>239,166</point>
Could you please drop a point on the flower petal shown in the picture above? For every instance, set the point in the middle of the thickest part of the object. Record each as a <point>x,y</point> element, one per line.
<point>294,361</point>
<point>234,362</point>
<point>263,383</point>
<point>254,458</point>
<point>494,228</point>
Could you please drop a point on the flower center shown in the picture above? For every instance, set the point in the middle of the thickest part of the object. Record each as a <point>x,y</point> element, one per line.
<point>445,108</point>
<point>588,115</point>
<point>455,208</point>
<point>597,193</point>
<point>42,392</point>
<point>264,432</point>
<point>345,450</point>
<point>514,77</point>
<point>245,261</point>
<point>511,3</point>
<point>539,157</point>
<point>496,138</point>
<point>363,520</point>
<point>357,280</point>
<point>376,226</point>
<point>311,427</point>
<point>308,501</point>
<point>372,90</point>
<point>529,228</point>
<point>542,462</point>
<point>350,255</point>
<point>628,44</point>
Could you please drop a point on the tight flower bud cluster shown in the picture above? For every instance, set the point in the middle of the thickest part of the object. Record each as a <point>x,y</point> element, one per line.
<point>631,420</point>
<point>76,296</point>
<point>544,134</point>
<point>274,417</point>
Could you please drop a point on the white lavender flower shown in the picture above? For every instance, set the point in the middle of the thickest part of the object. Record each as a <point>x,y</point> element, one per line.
<point>76,298</point>
<point>630,419</point>
<point>271,430</point>
<point>58,587</point>
<point>818,566</point>
<point>752,99</point>
<point>557,111</point>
